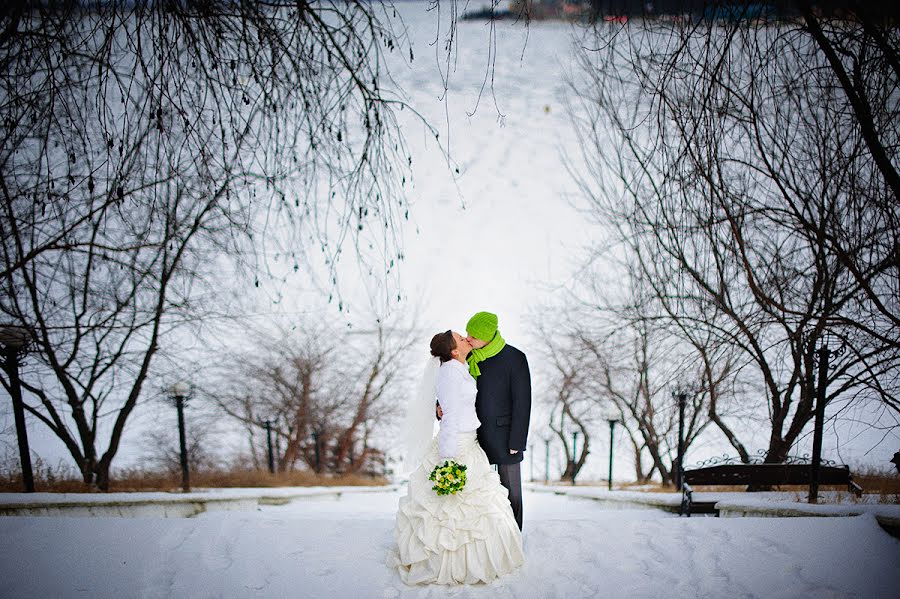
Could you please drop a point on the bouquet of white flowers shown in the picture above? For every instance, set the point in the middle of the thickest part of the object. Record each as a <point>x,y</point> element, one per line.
<point>449,477</point>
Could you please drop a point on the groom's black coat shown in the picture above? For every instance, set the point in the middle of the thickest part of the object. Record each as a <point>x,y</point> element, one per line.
<point>503,405</point>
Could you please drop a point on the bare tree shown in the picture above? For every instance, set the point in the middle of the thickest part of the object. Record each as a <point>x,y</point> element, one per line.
<point>630,362</point>
<point>640,388</point>
<point>162,451</point>
<point>377,390</point>
<point>145,141</point>
<point>282,379</point>
<point>743,172</point>
<point>326,394</point>
<point>570,407</point>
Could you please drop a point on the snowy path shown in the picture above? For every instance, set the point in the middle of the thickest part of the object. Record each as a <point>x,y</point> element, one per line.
<point>336,548</point>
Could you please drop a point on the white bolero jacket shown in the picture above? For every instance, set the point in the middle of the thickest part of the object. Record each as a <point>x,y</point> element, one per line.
<point>456,392</point>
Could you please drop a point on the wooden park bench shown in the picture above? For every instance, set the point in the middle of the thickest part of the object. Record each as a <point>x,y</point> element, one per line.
<point>757,477</point>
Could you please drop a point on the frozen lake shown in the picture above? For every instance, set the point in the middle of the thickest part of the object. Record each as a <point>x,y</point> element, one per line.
<point>327,547</point>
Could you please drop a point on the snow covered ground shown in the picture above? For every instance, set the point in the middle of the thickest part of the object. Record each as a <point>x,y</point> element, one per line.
<point>327,547</point>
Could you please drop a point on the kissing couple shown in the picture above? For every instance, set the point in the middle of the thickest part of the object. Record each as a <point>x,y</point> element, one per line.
<point>482,387</point>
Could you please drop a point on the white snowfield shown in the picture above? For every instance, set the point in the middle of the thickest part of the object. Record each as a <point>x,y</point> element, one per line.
<point>325,547</point>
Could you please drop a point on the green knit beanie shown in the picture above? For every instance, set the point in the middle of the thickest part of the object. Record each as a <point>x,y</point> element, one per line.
<point>482,326</point>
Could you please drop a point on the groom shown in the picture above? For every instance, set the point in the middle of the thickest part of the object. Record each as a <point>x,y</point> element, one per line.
<point>503,403</point>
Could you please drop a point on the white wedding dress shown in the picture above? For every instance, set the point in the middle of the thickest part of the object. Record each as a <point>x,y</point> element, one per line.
<point>467,538</point>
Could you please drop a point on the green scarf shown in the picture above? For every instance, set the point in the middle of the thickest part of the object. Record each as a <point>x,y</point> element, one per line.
<point>488,351</point>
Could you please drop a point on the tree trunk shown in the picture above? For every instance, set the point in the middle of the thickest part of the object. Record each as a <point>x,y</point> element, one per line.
<point>103,477</point>
<point>87,472</point>
<point>569,473</point>
<point>638,464</point>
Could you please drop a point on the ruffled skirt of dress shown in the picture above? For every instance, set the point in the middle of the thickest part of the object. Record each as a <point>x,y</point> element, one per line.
<point>467,538</point>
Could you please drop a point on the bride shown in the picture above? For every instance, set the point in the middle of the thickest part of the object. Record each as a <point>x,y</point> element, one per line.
<point>471,536</point>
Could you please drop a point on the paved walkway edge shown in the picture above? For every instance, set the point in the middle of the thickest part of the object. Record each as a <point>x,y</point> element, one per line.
<point>164,505</point>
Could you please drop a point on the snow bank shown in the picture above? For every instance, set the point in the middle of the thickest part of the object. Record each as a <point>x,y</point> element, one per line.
<point>731,504</point>
<point>322,547</point>
<point>164,505</point>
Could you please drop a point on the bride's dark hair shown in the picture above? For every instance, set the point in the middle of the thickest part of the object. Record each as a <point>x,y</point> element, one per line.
<point>441,346</point>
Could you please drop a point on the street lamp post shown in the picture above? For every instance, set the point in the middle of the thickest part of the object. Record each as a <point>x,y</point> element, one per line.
<point>612,428</point>
<point>15,341</point>
<point>268,424</point>
<point>574,454</point>
<point>824,354</point>
<point>180,394</point>
<point>679,472</point>
<point>546,460</point>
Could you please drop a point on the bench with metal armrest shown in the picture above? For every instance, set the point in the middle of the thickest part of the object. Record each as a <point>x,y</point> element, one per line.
<point>758,477</point>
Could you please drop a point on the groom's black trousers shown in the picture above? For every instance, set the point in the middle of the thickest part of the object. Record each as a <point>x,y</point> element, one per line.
<point>511,478</point>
